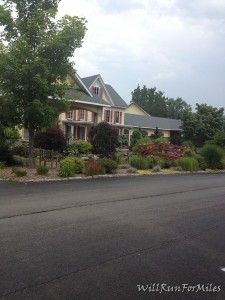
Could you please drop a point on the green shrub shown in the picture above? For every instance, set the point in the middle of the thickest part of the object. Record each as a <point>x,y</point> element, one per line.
<point>139,162</point>
<point>187,163</point>
<point>120,158</point>
<point>71,150</point>
<point>156,169</point>
<point>189,153</point>
<point>42,170</point>
<point>12,133</point>
<point>6,154</point>
<point>21,150</point>
<point>188,144</point>
<point>69,166</point>
<point>213,155</point>
<point>94,168</point>
<point>167,163</point>
<point>19,172</point>
<point>109,164</point>
<point>201,162</point>
<point>156,160</point>
<point>83,147</point>
<point>2,165</point>
<point>178,168</point>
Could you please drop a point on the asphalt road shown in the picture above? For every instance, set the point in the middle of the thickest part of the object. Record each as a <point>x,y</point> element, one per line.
<point>160,237</point>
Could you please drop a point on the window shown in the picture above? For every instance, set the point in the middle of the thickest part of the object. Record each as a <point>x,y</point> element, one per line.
<point>96,90</point>
<point>126,131</point>
<point>108,116</point>
<point>82,114</point>
<point>70,115</point>
<point>117,117</point>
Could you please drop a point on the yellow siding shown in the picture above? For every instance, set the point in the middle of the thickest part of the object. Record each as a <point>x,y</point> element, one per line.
<point>135,110</point>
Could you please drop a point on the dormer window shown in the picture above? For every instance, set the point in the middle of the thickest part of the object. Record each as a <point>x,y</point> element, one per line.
<point>97,90</point>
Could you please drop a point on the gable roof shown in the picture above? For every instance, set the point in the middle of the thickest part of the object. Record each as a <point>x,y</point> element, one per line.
<point>118,101</point>
<point>132,103</point>
<point>86,98</point>
<point>89,80</point>
<point>151,122</point>
<point>114,97</point>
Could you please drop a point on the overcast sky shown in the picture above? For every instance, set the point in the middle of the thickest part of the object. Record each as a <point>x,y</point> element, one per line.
<point>177,46</point>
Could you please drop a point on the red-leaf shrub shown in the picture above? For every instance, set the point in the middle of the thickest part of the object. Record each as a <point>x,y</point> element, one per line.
<point>52,139</point>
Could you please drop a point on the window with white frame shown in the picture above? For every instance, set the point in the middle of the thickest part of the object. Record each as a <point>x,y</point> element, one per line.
<point>108,116</point>
<point>117,117</point>
<point>97,90</point>
<point>82,114</point>
<point>70,114</point>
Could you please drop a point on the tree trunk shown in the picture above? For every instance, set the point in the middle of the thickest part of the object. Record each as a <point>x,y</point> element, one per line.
<point>31,148</point>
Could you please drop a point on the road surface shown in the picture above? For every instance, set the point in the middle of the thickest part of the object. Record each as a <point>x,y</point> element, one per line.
<point>144,237</point>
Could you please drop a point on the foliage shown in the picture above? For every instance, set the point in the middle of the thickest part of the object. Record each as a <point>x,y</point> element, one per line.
<point>104,139</point>
<point>187,163</point>
<point>94,168</point>
<point>35,52</point>
<point>120,158</point>
<point>156,104</point>
<point>189,153</point>
<point>19,172</point>
<point>178,168</point>
<point>141,141</point>
<point>188,144</point>
<point>154,160</point>
<point>156,169</point>
<point>219,138</point>
<point>51,139</point>
<point>21,150</point>
<point>6,154</point>
<point>2,165</point>
<point>202,125</point>
<point>124,140</point>
<point>83,147</point>
<point>136,135</point>
<point>69,166</point>
<point>12,133</point>
<point>157,133</point>
<point>42,170</point>
<point>176,139</point>
<point>201,162</point>
<point>213,155</point>
<point>139,162</point>
<point>71,150</point>
<point>109,164</point>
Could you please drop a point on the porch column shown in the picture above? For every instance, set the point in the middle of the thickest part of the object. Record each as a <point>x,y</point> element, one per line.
<point>129,135</point>
<point>85,133</point>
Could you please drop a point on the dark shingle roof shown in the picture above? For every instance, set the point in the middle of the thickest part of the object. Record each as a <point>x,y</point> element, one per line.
<point>89,80</point>
<point>151,122</point>
<point>95,99</point>
<point>117,100</point>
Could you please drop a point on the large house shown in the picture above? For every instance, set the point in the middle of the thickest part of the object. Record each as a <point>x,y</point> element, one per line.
<point>94,101</point>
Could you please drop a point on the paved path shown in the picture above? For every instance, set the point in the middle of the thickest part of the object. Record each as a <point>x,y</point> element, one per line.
<point>105,238</point>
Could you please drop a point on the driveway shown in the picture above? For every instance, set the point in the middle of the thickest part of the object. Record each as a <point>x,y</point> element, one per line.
<point>145,237</point>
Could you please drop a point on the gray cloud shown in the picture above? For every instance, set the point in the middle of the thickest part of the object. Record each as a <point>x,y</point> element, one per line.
<point>118,6</point>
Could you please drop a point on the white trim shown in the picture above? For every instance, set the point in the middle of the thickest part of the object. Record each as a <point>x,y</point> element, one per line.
<point>132,126</point>
<point>77,77</point>
<point>102,82</point>
<point>95,104</point>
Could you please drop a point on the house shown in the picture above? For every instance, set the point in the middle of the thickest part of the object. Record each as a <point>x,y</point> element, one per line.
<point>94,101</point>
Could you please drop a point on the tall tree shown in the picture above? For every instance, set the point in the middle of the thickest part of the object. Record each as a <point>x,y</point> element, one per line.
<point>202,125</point>
<point>157,104</point>
<point>176,108</point>
<point>35,58</point>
